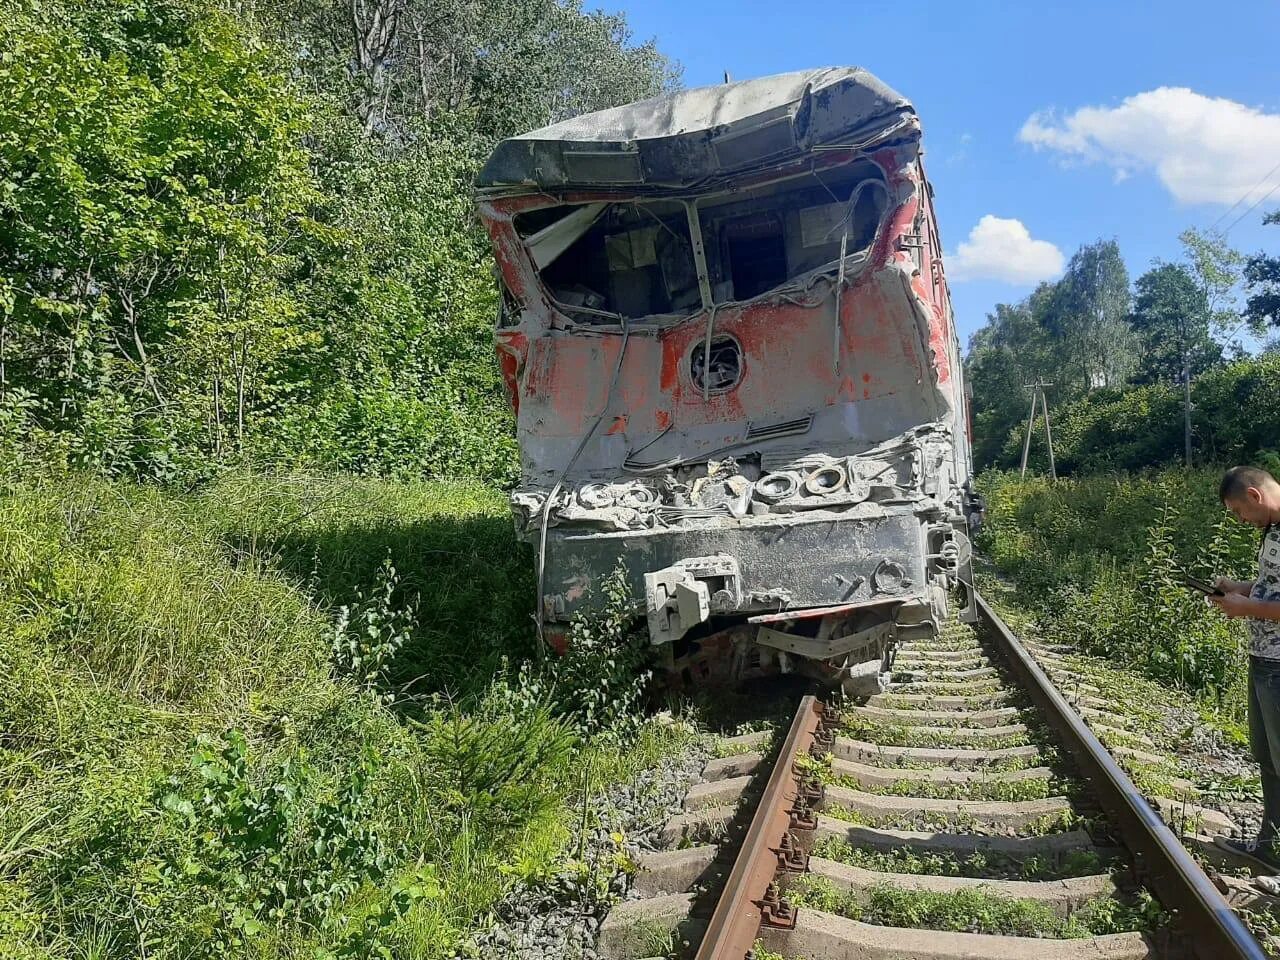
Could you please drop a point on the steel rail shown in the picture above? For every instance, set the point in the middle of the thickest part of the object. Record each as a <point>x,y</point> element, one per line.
<point>735,924</point>
<point>1216,932</point>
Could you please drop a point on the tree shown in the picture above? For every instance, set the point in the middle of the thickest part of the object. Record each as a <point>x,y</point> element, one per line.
<point>1170,316</point>
<point>1013,349</point>
<point>508,65</point>
<point>251,233</point>
<point>154,193</point>
<point>1088,317</point>
<point>1262,284</point>
<point>1215,269</point>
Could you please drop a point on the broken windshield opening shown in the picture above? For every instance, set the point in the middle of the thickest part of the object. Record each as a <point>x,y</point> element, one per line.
<point>759,239</point>
<point>636,258</point>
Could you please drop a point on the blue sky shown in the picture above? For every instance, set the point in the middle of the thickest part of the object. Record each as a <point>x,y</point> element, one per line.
<point>1151,117</point>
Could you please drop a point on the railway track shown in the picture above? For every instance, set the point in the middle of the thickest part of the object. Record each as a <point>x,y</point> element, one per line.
<point>967,812</point>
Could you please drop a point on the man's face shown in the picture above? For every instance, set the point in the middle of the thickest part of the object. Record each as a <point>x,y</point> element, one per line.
<point>1250,507</point>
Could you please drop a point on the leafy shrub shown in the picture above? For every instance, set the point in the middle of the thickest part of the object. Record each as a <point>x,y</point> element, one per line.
<point>493,761</point>
<point>1234,419</point>
<point>600,682</point>
<point>262,858</point>
<point>327,823</point>
<point>370,632</point>
<point>1101,559</point>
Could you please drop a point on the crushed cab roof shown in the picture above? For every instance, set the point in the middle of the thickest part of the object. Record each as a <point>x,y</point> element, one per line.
<point>683,138</point>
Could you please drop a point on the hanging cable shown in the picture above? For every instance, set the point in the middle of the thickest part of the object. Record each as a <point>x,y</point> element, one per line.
<point>1253,206</point>
<point>706,352</point>
<point>555,490</point>
<point>835,346</point>
<point>846,222</point>
<point>1225,213</point>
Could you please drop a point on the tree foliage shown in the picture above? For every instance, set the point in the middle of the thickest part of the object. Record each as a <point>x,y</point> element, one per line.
<point>1087,318</point>
<point>1081,335</point>
<point>1170,317</point>
<point>1074,334</point>
<point>1014,349</point>
<point>247,233</point>
<point>155,197</point>
<point>1234,419</point>
<point>507,66</point>
<point>1262,279</point>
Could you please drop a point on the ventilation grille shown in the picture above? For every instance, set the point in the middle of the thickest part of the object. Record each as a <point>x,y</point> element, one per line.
<point>786,428</point>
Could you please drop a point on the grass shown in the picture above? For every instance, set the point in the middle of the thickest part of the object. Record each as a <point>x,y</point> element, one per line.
<point>976,687</point>
<point>979,865</point>
<point>1097,561</point>
<point>183,770</point>
<point>973,911</point>
<point>760,952</point>
<point>978,703</point>
<point>1030,789</point>
<point>948,721</point>
<point>911,763</point>
<point>894,735</point>
<point>956,821</point>
<point>975,789</point>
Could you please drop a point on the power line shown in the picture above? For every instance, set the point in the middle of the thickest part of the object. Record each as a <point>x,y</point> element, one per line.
<point>1251,208</point>
<point>1222,216</point>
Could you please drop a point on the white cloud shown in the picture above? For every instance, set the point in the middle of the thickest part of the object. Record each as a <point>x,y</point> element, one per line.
<point>1000,249</point>
<point>1203,149</point>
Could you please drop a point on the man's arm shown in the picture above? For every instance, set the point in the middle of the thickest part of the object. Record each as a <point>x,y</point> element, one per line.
<point>1227,585</point>
<point>1237,605</point>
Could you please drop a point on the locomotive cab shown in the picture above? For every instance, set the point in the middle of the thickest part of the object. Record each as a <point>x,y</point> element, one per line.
<point>727,336</point>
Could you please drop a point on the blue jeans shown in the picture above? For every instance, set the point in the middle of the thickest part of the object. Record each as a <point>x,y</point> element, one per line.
<point>1264,744</point>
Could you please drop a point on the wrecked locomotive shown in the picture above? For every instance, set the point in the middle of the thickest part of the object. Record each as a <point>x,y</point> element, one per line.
<point>729,342</point>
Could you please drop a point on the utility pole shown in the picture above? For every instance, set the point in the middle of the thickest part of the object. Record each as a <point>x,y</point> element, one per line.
<point>1031,419</point>
<point>1048,431</point>
<point>1186,375</point>
<point>1186,402</point>
<point>1038,397</point>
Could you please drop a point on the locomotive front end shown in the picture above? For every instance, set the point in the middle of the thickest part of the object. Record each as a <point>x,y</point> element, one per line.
<point>727,337</point>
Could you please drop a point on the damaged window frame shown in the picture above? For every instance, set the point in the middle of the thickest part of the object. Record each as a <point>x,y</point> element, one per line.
<point>543,248</point>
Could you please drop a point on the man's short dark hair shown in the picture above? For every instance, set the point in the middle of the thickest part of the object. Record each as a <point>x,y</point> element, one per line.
<point>1239,479</point>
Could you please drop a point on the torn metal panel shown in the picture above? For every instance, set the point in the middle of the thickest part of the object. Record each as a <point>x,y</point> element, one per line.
<point>686,137</point>
<point>727,335</point>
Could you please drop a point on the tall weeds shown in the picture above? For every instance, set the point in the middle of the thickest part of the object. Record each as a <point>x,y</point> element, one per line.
<point>1101,560</point>
<point>272,718</point>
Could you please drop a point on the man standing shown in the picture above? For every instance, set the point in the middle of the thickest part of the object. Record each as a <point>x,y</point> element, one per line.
<point>1253,495</point>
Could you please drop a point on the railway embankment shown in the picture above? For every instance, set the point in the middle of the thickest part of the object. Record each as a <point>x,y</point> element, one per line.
<point>285,714</point>
<point>1088,571</point>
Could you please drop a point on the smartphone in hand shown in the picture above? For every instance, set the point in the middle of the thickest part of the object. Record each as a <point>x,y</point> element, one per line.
<point>1208,589</point>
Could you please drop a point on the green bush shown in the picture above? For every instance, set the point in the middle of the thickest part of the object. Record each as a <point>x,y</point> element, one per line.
<point>1235,419</point>
<point>601,682</point>
<point>1100,559</point>
<point>212,255</point>
<point>200,755</point>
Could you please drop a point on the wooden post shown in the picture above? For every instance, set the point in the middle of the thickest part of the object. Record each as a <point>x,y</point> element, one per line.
<point>1031,420</point>
<point>1048,433</point>
<point>1186,403</point>
<point>1039,398</point>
